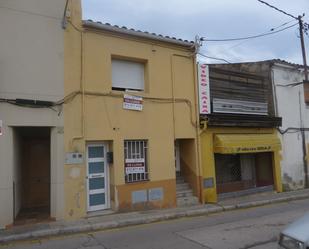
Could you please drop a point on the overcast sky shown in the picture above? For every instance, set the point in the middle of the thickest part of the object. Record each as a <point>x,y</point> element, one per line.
<point>213,19</point>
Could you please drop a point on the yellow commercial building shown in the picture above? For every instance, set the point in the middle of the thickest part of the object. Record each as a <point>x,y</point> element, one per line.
<point>256,152</point>
<point>130,117</point>
<point>240,146</point>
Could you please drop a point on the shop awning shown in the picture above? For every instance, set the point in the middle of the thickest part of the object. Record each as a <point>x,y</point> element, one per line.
<point>246,143</point>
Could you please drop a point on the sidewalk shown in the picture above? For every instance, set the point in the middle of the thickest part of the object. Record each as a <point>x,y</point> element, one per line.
<point>117,220</point>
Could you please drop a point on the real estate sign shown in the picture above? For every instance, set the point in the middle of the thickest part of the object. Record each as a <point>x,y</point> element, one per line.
<point>132,102</point>
<point>136,165</point>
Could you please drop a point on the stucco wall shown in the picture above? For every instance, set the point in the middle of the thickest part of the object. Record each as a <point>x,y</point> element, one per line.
<point>31,67</point>
<point>291,107</point>
<point>17,173</point>
<point>169,73</point>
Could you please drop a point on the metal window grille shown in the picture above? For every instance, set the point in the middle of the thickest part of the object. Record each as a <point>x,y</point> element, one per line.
<point>136,149</point>
<point>228,168</point>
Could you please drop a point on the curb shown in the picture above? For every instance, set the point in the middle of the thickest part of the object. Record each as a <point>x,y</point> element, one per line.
<point>100,226</point>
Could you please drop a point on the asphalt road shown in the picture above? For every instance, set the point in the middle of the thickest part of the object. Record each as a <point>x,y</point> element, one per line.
<point>254,228</point>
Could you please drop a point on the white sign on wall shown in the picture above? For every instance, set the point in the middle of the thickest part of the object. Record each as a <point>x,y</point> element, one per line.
<point>136,165</point>
<point>204,95</point>
<point>1,128</point>
<point>132,102</point>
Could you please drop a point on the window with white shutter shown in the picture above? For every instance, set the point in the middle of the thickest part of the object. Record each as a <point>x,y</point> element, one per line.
<point>128,75</point>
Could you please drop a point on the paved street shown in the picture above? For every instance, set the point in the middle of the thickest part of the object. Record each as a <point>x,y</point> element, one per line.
<point>254,228</point>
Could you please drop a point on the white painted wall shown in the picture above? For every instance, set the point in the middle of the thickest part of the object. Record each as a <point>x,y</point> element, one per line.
<point>31,66</point>
<point>292,108</point>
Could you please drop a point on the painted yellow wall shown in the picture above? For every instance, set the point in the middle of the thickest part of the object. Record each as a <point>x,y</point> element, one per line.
<point>208,161</point>
<point>169,73</point>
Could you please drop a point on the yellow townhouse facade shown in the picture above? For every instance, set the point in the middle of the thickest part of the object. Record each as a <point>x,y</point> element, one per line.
<point>130,118</point>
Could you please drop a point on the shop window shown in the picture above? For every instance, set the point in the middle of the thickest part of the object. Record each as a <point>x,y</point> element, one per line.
<point>128,75</point>
<point>235,172</point>
<point>228,168</point>
<point>135,161</point>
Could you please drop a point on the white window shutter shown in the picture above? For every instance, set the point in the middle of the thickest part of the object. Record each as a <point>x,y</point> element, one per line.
<point>127,74</point>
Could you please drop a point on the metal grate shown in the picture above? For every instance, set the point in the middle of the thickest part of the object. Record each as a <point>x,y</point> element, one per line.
<point>135,161</point>
<point>228,168</point>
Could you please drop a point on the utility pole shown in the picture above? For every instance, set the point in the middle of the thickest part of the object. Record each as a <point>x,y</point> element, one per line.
<point>306,98</point>
<point>303,48</point>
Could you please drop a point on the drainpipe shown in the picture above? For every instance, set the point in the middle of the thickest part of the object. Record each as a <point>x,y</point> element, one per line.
<point>198,142</point>
<point>64,19</point>
<point>173,96</point>
<point>82,89</point>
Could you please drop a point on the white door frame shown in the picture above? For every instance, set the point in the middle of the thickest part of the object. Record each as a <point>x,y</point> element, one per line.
<point>105,175</point>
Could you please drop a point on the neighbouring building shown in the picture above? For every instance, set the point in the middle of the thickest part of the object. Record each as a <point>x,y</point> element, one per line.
<point>290,98</point>
<point>31,127</point>
<point>291,103</point>
<point>130,118</point>
<point>240,146</point>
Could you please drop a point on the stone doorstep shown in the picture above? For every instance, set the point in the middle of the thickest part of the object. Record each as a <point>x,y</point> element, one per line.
<point>144,218</point>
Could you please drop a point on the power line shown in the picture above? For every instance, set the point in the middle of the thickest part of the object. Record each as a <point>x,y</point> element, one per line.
<point>306,25</point>
<point>272,29</point>
<point>283,24</point>
<point>248,37</point>
<point>282,11</point>
<point>214,58</point>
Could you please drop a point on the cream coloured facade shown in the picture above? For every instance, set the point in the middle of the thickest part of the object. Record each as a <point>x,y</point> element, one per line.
<point>107,68</point>
<point>32,68</point>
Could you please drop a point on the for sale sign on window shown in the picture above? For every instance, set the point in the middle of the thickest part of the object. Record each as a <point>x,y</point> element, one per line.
<point>136,165</point>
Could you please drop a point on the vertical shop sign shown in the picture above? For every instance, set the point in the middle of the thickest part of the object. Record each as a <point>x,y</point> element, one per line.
<point>203,81</point>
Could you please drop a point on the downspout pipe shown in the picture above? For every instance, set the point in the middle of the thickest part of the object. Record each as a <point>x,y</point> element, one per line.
<point>64,19</point>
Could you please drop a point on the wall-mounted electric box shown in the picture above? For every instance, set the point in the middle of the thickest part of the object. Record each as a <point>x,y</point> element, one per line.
<point>74,158</point>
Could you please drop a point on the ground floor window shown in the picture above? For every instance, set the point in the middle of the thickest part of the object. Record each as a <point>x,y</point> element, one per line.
<point>236,172</point>
<point>135,160</point>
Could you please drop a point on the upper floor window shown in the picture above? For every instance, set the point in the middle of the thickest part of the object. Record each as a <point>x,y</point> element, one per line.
<point>128,75</point>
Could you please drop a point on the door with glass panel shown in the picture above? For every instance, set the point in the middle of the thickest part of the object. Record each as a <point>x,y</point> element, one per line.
<point>97,177</point>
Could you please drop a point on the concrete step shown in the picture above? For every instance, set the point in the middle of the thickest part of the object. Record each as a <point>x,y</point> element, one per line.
<point>184,193</point>
<point>187,201</point>
<point>180,179</point>
<point>182,186</point>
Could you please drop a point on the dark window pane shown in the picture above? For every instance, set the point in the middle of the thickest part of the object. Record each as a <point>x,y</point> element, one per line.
<point>97,199</point>
<point>96,183</point>
<point>94,152</point>
<point>97,167</point>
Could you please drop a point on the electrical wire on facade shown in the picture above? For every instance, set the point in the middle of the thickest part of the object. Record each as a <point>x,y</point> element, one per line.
<point>72,96</point>
<point>293,84</point>
<point>292,130</point>
<point>30,13</point>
